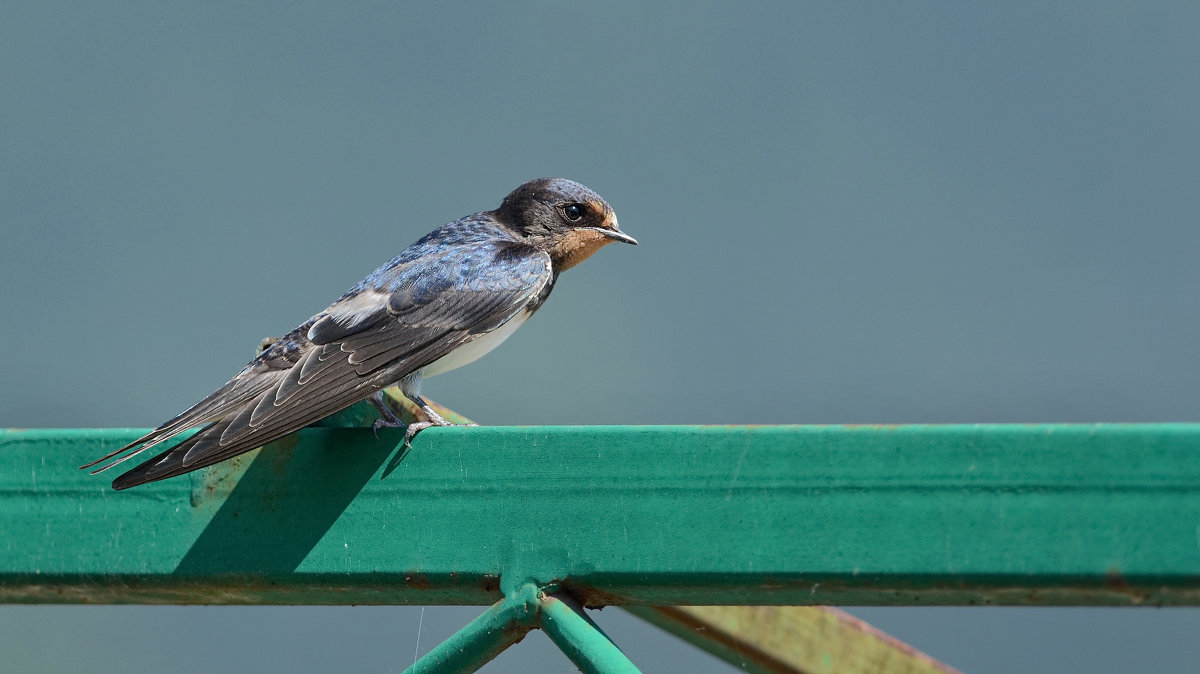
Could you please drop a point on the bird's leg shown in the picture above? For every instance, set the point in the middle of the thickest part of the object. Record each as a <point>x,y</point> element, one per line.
<point>410,386</point>
<point>432,418</point>
<point>387,416</point>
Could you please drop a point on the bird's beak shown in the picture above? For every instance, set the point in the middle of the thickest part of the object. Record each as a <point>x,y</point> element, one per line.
<point>617,235</point>
<point>613,231</point>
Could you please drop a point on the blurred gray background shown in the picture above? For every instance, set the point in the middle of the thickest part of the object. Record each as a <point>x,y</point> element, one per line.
<point>870,212</point>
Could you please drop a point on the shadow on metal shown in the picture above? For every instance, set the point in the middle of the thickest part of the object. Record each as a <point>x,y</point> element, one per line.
<point>277,510</point>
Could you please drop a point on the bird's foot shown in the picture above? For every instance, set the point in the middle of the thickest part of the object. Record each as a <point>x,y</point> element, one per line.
<point>418,426</point>
<point>387,416</point>
<point>389,419</point>
<point>432,419</point>
<point>384,423</point>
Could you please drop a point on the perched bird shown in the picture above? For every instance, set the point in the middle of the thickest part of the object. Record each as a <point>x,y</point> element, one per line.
<point>443,302</point>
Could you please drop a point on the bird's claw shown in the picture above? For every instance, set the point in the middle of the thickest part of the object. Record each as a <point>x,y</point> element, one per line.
<point>412,430</point>
<point>418,426</point>
<point>384,423</point>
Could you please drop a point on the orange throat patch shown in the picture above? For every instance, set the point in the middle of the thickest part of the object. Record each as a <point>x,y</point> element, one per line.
<point>577,246</point>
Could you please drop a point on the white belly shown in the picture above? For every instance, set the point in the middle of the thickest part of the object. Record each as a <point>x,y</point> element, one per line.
<point>474,349</point>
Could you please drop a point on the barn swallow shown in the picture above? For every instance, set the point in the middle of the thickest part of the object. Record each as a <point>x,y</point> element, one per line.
<point>443,302</point>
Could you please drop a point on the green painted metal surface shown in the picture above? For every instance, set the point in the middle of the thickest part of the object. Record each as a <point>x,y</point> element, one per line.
<point>502,625</point>
<point>570,628</point>
<point>1053,514</point>
<point>509,620</point>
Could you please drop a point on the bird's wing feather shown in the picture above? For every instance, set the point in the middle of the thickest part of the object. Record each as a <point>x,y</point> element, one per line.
<point>409,317</point>
<point>260,374</point>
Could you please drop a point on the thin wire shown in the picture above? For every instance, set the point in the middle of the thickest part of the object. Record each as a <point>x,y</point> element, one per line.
<point>420,624</point>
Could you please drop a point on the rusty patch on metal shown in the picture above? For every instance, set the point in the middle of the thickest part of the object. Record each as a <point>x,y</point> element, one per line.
<point>217,481</point>
<point>417,581</point>
<point>592,597</point>
<point>1116,582</point>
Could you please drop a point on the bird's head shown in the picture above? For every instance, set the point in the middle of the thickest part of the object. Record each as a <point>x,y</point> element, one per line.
<point>562,217</point>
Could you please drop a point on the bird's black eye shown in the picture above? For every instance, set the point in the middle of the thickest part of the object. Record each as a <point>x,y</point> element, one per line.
<point>573,212</point>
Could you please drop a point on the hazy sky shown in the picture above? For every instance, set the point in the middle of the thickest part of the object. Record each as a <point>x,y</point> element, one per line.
<point>851,212</point>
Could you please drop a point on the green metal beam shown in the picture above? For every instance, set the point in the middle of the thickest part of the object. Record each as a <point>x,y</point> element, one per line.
<point>1049,514</point>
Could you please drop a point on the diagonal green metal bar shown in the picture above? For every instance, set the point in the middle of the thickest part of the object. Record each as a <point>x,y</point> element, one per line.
<point>684,515</point>
<point>581,639</point>
<point>502,625</point>
<point>509,620</point>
